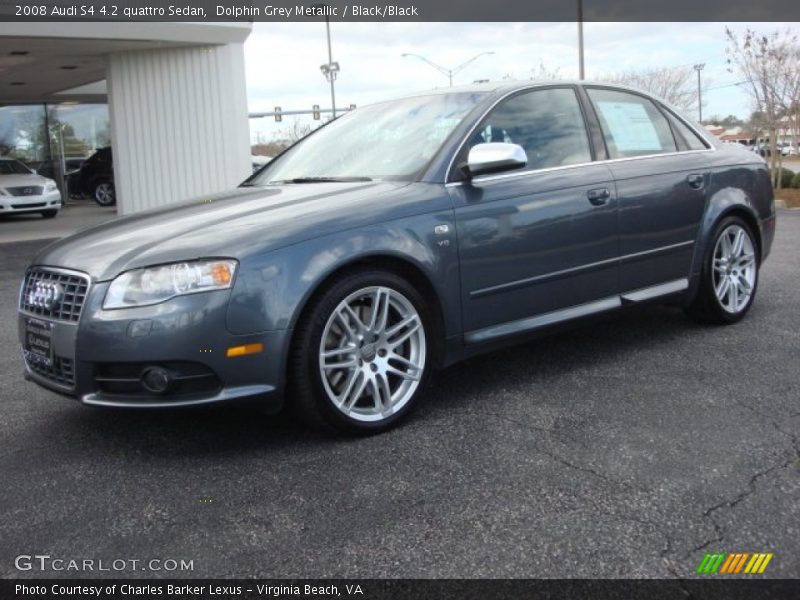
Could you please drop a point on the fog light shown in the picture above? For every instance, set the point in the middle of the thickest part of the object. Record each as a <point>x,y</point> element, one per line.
<point>155,380</point>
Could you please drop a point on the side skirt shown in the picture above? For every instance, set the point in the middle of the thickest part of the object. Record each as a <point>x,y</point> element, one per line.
<point>532,324</point>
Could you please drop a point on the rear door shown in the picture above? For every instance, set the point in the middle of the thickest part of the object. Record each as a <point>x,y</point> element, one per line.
<point>661,181</point>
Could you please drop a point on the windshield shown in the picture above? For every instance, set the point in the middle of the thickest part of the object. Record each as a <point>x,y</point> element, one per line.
<point>390,140</point>
<point>13,167</point>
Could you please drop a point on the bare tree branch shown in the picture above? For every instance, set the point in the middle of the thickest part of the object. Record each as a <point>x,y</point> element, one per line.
<point>674,85</point>
<point>768,64</point>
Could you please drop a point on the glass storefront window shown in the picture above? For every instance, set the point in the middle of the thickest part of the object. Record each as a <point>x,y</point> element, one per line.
<point>54,139</point>
<point>23,134</point>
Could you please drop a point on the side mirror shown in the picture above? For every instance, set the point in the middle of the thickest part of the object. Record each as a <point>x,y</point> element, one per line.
<point>495,157</point>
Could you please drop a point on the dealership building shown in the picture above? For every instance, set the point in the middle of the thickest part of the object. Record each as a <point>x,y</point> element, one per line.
<point>170,99</point>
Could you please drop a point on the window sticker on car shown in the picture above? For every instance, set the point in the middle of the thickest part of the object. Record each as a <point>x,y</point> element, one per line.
<point>630,126</point>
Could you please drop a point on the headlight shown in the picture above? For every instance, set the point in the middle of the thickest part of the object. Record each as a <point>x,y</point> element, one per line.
<point>152,285</point>
<point>50,186</point>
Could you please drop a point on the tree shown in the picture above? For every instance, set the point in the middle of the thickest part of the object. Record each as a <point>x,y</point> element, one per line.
<point>728,122</point>
<point>542,73</point>
<point>296,131</point>
<point>768,65</point>
<point>284,138</point>
<point>674,85</point>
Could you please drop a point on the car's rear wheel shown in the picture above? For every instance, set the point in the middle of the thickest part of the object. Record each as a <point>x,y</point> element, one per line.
<point>730,274</point>
<point>49,214</point>
<point>360,357</point>
<point>103,193</point>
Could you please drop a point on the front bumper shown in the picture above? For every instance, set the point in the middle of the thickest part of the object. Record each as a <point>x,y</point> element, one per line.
<point>27,204</point>
<point>100,357</point>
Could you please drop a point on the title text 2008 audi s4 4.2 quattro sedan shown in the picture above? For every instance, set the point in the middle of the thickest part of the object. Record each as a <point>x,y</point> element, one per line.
<point>397,239</point>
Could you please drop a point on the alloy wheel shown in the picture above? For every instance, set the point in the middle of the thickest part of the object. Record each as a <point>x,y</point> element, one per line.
<point>104,194</point>
<point>372,353</point>
<point>734,268</point>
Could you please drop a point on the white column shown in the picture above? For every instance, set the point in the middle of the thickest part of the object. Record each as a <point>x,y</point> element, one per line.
<point>179,124</point>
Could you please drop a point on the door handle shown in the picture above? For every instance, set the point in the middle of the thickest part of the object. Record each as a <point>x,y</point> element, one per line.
<point>695,181</point>
<point>599,196</point>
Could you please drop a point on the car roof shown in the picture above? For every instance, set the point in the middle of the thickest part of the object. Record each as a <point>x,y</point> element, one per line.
<point>494,89</point>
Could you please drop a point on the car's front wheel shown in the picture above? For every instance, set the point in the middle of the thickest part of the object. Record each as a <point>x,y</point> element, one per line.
<point>361,353</point>
<point>730,274</point>
<point>49,214</point>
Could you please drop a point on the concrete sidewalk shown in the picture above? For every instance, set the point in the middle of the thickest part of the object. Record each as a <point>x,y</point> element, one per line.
<point>73,217</point>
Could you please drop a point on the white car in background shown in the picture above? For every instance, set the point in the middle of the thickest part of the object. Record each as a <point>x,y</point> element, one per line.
<point>23,191</point>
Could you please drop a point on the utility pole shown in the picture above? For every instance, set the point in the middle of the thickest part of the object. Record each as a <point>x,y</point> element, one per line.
<point>698,68</point>
<point>581,68</point>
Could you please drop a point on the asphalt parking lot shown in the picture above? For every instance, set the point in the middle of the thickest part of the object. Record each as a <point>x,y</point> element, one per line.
<point>628,449</point>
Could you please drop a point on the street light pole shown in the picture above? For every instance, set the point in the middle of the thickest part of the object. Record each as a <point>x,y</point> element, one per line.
<point>581,68</point>
<point>444,70</point>
<point>330,72</point>
<point>698,68</point>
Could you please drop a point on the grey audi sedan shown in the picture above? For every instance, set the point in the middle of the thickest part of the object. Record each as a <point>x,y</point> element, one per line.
<point>396,240</point>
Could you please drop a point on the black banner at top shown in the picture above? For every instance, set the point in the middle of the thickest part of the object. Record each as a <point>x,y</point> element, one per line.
<point>399,10</point>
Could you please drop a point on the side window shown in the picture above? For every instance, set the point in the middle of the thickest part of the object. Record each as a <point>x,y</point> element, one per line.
<point>547,123</point>
<point>687,138</point>
<point>632,125</point>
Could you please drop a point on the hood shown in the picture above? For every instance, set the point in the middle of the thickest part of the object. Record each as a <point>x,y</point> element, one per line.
<point>7,181</point>
<point>234,224</point>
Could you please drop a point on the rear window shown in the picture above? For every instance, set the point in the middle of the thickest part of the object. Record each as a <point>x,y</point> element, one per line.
<point>632,125</point>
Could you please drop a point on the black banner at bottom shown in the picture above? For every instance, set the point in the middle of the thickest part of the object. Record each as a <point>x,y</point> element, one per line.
<point>411,589</point>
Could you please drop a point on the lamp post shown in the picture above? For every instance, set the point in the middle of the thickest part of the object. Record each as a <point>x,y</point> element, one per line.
<point>444,70</point>
<point>698,68</point>
<point>331,69</point>
<point>581,68</point>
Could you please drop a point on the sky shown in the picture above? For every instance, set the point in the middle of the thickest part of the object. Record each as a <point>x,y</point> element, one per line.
<point>283,59</point>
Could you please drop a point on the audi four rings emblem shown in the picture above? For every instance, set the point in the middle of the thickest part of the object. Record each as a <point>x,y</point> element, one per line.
<point>45,295</point>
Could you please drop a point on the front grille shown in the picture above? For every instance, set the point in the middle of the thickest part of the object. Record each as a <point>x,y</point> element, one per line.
<point>73,294</point>
<point>27,190</point>
<point>60,370</point>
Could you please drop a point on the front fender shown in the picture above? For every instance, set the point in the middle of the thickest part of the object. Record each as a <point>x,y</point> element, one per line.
<point>271,290</point>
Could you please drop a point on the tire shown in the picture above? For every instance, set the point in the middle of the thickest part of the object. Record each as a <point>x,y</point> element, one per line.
<point>727,287</point>
<point>103,193</point>
<point>344,353</point>
<point>49,214</point>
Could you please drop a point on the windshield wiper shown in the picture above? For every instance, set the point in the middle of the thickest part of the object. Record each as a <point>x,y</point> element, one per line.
<point>324,180</point>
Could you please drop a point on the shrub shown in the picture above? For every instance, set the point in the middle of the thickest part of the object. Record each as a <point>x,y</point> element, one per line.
<point>787,176</point>
<point>796,181</point>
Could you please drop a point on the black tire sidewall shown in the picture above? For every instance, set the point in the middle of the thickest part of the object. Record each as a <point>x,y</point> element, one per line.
<point>306,376</point>
<point>712,303</point>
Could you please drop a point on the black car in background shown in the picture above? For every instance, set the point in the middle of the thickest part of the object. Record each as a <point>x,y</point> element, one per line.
<point>95,178</point>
